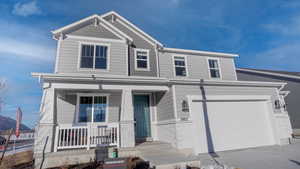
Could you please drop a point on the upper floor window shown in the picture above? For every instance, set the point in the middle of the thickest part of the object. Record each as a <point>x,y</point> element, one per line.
<point>142,59</point>
<point>92,108</point>
<point>180,66</point>
<point>214,68</point>
<point>94,56</point>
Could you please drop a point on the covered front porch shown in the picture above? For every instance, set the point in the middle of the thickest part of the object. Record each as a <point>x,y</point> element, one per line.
<point>93,115</point>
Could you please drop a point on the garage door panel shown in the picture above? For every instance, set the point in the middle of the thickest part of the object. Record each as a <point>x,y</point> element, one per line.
<point>233,124</point>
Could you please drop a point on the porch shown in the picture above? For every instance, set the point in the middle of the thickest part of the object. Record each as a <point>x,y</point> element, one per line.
<point>89,118</point>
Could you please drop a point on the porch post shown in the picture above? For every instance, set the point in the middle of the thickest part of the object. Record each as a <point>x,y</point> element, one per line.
<point>44,131</point>
<point>127,120</point>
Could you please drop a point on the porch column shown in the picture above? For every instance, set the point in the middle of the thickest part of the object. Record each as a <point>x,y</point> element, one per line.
<point>127,120</point>
<point>44,131</point>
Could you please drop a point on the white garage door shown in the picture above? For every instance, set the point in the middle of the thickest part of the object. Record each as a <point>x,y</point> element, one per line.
<point>231,124</point>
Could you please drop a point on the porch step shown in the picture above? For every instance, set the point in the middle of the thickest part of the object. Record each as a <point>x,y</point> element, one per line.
<point>163,156</point>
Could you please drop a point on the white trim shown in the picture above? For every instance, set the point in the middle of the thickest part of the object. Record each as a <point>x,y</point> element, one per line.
<point>205,53</point>
<point>157,63</point>
<point>94,57</point>
<point>134,87</point>
<point>126,26</point>
<point>185,62</point>
<point>149,80</point>
<point>112,31</point>
<point>174,102</point>
<point>74,24</point>
<point>78,37</point>
<point>113,28</point>
<point>135,59</point>
<point>230,97</point>
<point>219,68</point>
<point>58,53</point>
<point>284,93</point>
<point>92,118</point>
<point>268,73</point>
<point>139,31</point>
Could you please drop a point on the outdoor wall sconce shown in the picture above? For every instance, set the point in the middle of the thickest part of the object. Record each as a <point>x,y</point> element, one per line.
<point>185,106</point>
<point>277,104</point>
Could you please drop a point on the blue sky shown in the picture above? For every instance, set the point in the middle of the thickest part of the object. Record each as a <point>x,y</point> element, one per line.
<point>265,33</point>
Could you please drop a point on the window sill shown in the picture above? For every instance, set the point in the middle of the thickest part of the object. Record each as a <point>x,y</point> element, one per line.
<point>139,69</point>
<point>92,70</point>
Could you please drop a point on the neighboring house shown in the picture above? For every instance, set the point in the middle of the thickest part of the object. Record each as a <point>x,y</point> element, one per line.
<point>291,97</point>
<point>116,85</point>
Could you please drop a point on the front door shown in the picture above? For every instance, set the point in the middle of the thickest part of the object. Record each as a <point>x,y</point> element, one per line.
<point>142,117</point>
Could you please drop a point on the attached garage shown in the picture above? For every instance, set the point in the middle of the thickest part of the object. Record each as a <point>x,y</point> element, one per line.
<point>225,123</point>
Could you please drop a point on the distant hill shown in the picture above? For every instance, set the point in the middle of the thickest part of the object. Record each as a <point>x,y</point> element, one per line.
<point>7,123</point>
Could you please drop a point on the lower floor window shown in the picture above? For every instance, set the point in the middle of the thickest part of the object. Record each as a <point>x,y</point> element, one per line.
<point>92,108</point>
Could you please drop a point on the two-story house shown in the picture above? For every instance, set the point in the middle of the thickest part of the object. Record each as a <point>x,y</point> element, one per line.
<point>115,85</point>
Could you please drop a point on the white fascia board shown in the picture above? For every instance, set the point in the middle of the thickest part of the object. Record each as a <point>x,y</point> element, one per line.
<point>226,82</point>
<point>73,24</point>
<point>135,87</point>
<point>268,73</point>
<point>133,26</point>
<point>199,52</point>
<point>112,28</point>
<point>75,86</point>
<point>150,80</point>
<point>96,78</point>
<point>230,97</point>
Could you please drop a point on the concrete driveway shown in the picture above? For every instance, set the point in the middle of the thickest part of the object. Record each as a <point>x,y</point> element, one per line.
<point>271,157</point>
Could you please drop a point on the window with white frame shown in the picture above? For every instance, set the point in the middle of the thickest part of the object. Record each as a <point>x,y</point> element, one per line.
<point>142,59</point>
<point>180,66</point>
<point>214,68</point>
<point>94,56</point>
<point>92,108</point>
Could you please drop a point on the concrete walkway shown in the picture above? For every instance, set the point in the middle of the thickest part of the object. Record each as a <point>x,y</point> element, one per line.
<point>272,157</point>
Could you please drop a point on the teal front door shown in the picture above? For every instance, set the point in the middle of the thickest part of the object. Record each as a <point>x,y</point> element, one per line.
<point>142,116</point>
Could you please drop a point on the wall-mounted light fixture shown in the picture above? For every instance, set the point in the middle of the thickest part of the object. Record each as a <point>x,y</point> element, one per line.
<point>185,106</point>
<point>277,104</point>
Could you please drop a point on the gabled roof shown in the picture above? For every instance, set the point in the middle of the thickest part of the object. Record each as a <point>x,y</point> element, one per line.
<point>95,16</point>
<point>133,26</point>
<point>287,74</point>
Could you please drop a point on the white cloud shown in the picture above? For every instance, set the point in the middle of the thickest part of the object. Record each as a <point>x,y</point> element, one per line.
<point>288,27</point>
<point>26,9</point>
<point>26,42</point>
<point>285,56</point>
<point>32,50</point>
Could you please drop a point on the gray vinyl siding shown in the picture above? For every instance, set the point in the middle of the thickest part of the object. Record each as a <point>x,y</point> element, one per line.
<point>69,57</point>
<point>292,100</point>
<point>139,42</point>
<point>94,31</point>
<point>66,107</point>
<point>182,91</point>
<point>165,107</point>
<point>197,66</point>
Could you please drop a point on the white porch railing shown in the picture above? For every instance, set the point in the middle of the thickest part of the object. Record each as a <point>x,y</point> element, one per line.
<point>92,135</point>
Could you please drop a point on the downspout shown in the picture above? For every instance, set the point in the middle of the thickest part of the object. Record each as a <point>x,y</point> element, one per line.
<point>157,61</point>
<point>58,52</point>
<point>128,57</point>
